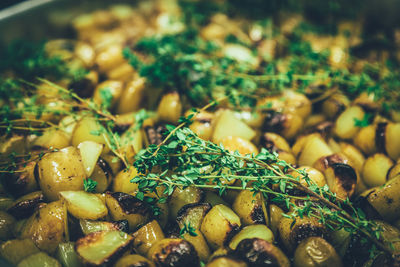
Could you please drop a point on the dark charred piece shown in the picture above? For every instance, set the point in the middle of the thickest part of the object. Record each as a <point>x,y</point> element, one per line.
<point>122,225</point>
<point>105,168</point>
<point>274,122</point>
<point>131,204</point>
<point>346,174</point>
<point>176,253</point>
<point>26,206</point>
<point>155,134</point>
<point>269,144</point>
<point>258,252</point>
<point>22,181</point>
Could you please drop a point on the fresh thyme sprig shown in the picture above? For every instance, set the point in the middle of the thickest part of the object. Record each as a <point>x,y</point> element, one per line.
<point>183,160</point>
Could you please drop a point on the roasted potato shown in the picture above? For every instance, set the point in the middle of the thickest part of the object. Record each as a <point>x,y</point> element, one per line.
<point>24,206</point>
<point>219,225</point>
<point>252,231</point>
<point>250,208</point>
<point>83,205</point>
<point>88,226</point>
<point>67,256</point>
<point>15,250</point>
<point>102,248</point>
<point>146,236</point>
<point>172,252</point>
<point>39,259</point>
<point>292,233</point>
<point>60,171</point>
<point>222,261</point>
<point>133,260</point>
<point>122,206</point>
<point>259,252</point>
<point>47,227</point>
<point>316,251</point>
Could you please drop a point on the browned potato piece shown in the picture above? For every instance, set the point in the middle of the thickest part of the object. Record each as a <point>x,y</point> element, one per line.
<point>109,58</point>
<point>393,171</point>
<point>226,124</point>
<point>223,261</point>
<point>17,249</point>
<point>214,199</point>
<point>236,143</point>
<point>297,103</point>
<point>6,224</point>
<point>146,236</point>
<point>222,251</point>
<point>355,157</point>
<point>375,169</point>
<point>251,209</point>
<point>67,255</point>
<point>83,205</point>
<point>392,140</point>
<point>89,129</point>
<point>199,243</point>
<point>174,252</point>
<point>292,235</point>
<point>275,216</point>
<point>14,144</point>
<point>202,127</point>
<point>170,107</point>
<point>39,259</point>
<point>274,142</point>
<point>334,105</point>
<point>22,181</point>
<point>340,240</point>
<point>345,127</point>
<point>122,181</point>
<point>252,231</point>
<point>133,260</point>
<point>300,142</point>
<point>123,72</point>
<point>314,147</point>
<point>390,235</point>
<point>365,139</point>
<point>286,124</point>
<point>88,226</point>
<point>315,176</point>
<point>5,202</point>
<point>102,174</point>
<point>47,227</point>
<point>181,197</point>
<point>112,89</point>
<point>253,118</point>
<point>340,177</point>
<point>316,251</point>
<point>60,171</point>
<point>26,205</point>
<point>219,225</point>
<point>114,162</point>
<point>122,206</point>
<point>386,199</point>
<point>259,252</point>
<point>192,214</point>
<point>132,96</point>
<point>51,139</point>
<point>102,248</point>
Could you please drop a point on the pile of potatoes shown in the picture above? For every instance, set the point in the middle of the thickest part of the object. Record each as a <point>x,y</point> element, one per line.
<point>48,219</point>
<point>54,220</point>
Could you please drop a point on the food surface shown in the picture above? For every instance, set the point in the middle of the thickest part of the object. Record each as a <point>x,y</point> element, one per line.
<point>203,133</point>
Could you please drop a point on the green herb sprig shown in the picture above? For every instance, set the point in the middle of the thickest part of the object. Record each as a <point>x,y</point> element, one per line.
<point>89,185</point>
<point>186,160</point>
